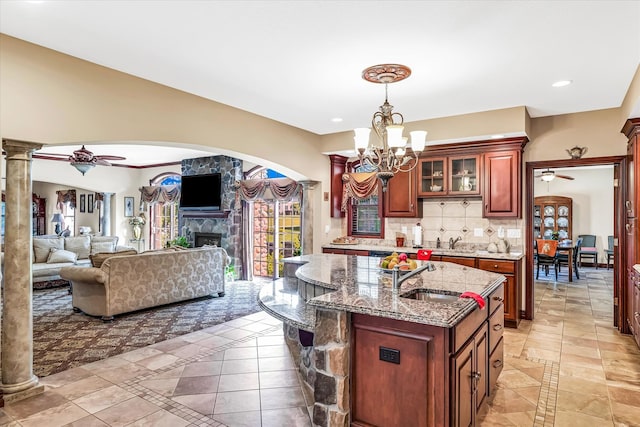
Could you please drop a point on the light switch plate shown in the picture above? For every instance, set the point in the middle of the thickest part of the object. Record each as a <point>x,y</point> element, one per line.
<point>477,232</point>
<point>513,233</point>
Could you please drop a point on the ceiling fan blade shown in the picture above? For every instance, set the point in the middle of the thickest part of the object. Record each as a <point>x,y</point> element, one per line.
<point>565,177</point>
<point>53,154</point>
<point>101,162</point>
<point>107,157</point>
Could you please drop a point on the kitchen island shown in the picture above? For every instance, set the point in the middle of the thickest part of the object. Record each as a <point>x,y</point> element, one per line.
<point>372,355</point>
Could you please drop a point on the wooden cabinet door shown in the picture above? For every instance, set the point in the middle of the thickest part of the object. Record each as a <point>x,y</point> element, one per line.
<point>432,173</point>
<point>464,175</point>
<point>463,406</point>
<point>401,199</point>
<point>501,185</point>
<point>511,311</point>
<point>480,374</point>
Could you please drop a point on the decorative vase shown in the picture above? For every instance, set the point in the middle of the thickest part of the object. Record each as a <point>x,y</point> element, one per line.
<point>137,232</point>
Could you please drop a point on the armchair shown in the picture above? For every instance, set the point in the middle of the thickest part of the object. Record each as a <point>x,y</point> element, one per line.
<point>609,251</point>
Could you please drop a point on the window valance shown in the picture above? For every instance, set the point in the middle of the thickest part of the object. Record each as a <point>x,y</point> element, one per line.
<point>359,185</point>
<point>152,194</point>
<point>281,189</point>
<point>66,196</point>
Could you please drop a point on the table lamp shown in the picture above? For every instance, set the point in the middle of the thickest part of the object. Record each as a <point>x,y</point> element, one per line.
<point>58,219</point>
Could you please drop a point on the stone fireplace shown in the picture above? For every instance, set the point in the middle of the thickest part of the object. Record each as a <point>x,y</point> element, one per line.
<point>201,239</point>
<point>225,225</point>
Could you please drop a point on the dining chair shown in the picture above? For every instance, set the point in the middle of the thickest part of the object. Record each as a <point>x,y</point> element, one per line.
<point>546,254</point>
<point>609,251</point>
<point>588,249</point>
<point>563,258</point>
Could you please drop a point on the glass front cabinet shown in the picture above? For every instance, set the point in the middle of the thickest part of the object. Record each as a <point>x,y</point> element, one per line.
<point>552,214</point>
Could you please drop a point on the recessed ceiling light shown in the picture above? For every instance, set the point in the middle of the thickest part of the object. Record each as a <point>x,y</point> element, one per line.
<point>561,83</point>
<point>336,119</point>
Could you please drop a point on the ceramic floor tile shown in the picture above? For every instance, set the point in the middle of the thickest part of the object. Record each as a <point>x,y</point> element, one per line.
<point>568,418</point>
<point>102,399</point>
<point>235,382</point>
<point>284,397</point>
<point>202,403</point>
<point>32,405</point>
<point>239,366</point>
<point>83,387</point>
<point>237,401</point>
<point>279,379</point>
<point>88,421</point>
<point>589,404</point>
<point>200,369</point>
<point>241,353</point>
<point>65,377</point>
<point>54,417</point>
<point>273,351</point>
<point>239,419</point>
<point>625,415</point>
<point>127,412</point>
<point>197,385</point>
<point>267,364</point>
<point>160,418</point>
<point>291,417</point>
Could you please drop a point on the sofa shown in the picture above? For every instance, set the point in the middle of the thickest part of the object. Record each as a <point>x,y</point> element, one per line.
<point>126,283</point>
<point>51,253</point>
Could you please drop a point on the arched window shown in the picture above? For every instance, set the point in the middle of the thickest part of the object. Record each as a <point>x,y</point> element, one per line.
<point>163,216</point>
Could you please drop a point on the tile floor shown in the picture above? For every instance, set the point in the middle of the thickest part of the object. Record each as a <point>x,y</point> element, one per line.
<point>569,367</point>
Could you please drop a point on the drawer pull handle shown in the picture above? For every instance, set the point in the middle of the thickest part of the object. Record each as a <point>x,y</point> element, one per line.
<point>499,299</point>
<point>495,265</point>
<point>497,363</point>
<point>497,327</point>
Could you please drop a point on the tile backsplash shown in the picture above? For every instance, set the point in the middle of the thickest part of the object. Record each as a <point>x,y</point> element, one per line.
<point>456,218</point>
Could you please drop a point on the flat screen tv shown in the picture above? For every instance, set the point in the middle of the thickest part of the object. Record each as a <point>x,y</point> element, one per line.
<point>201,192</point>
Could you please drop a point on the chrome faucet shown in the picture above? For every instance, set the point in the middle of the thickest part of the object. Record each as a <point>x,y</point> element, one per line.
<point>452,242</point>
<point>396,280</point>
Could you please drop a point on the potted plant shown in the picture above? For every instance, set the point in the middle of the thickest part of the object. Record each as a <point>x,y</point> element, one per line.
<point>179,241</point>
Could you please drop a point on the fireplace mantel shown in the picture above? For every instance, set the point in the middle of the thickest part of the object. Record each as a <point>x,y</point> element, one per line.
<point>205,214</point>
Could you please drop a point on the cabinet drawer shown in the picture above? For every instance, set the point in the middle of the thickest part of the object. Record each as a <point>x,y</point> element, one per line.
<point>496,363</point>
<point>465,329</point>
<point>356,252</point>
<point>469,262</point>
<point>496,266</point>
<point>496,327</point>
<point>496,299</point>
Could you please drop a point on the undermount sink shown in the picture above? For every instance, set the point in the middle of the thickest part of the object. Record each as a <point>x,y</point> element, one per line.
<point>428,295</point>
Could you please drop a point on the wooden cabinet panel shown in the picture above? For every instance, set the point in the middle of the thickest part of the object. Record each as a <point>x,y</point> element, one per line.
<point>338,168</point>
<point>401,199</point>
<point>464,175</point>
<point>469,262</point>
<point>496,327</point>
<point>510,270</point>
<point>356,252</point>
<point>463,407</point>
<point>502,183</point>
<point>408,393</point>
<point>332,251</point>
<point>496,363</point>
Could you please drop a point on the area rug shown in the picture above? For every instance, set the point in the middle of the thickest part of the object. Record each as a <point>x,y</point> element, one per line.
<point>63,339</point>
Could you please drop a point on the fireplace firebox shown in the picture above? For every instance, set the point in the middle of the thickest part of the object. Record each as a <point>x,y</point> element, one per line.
<point>201,239</point>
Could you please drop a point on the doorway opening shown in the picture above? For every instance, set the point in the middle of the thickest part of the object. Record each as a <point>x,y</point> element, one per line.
<point>618,183</point>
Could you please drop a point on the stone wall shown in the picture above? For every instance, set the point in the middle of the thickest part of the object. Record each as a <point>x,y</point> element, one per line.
<point>227,222</point>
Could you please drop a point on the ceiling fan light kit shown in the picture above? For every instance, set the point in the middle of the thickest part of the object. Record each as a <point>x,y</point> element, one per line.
<point>84,160</point>
<point>549,175</point>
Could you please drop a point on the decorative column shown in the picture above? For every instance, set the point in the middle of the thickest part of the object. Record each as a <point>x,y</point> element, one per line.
<point>18,380</point>
<point>307,216</point>
<point>106,214</point>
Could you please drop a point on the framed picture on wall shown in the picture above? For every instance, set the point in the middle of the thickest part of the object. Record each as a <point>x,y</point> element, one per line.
<point>90,203</point>
<point>83,202</point>
<point>128,206</point>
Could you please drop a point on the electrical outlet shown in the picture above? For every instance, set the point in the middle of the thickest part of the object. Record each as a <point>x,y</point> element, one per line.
<point>327,228</point>
<point>513,233</point>
<point>478,232</point>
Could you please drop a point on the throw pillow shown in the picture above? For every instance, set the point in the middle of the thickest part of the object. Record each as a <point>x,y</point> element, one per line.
<point>42,247</point>
<point>97,247</point>
<point>104,239</point>
<point>61,255</point>
<point>99,258</point>
<point>79,245</point>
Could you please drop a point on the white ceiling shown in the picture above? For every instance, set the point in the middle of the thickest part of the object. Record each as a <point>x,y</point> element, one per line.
<point>300,62</point>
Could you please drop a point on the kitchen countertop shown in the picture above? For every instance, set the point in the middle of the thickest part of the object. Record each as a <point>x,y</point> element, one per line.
<point>361,287</point>
<point>462,252</point>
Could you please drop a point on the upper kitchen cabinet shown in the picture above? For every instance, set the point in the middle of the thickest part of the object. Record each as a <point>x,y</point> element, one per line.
<point>432,176</point>
<point>464,175</point>
<point>401,199</point>
<point>502,182</point>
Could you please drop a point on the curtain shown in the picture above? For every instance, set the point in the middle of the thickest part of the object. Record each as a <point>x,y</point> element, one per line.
<point>281,189</point>
<point>66,196</point>
<point>152,194</point>
<point>359,185</point>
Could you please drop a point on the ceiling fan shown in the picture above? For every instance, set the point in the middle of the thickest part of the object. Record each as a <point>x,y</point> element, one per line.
<point>84,160</point>
<point>549,175</point>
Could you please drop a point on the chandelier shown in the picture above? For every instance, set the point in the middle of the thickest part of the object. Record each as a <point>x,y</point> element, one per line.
<point>389,154</point>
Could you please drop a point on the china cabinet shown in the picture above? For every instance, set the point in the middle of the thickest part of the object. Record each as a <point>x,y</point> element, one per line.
<point>552,214</point>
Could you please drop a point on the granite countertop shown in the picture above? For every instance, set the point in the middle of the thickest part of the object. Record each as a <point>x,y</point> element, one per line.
<point>461,251</point>
<point>361,287</point>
